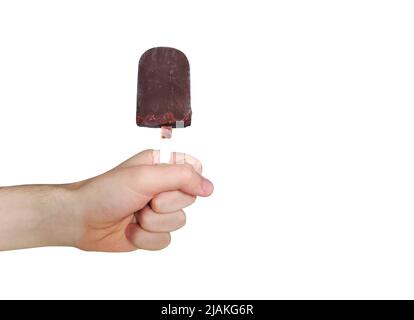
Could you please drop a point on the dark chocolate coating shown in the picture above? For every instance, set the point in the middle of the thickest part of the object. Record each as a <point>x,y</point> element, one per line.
<point>163,88</point>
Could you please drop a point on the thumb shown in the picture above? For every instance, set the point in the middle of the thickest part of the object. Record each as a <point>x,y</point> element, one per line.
<point>151,180</point>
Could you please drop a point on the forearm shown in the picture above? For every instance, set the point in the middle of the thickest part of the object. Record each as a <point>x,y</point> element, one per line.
<point>35,216</point>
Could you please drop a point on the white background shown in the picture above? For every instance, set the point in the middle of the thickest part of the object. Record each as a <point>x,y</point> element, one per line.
<point>303,119</point>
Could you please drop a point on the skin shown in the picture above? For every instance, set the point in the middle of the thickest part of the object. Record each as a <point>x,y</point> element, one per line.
<point>134,206</point>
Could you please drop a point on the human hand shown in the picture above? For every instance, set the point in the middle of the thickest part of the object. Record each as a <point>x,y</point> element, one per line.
<point>137,204</point>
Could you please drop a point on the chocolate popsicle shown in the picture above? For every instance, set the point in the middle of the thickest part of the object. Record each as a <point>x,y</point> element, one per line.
<point>163,89</point>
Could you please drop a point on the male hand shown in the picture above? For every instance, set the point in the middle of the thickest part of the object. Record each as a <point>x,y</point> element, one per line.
<point>137,204</point>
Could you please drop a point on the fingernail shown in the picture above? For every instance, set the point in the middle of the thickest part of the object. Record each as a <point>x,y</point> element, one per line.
<point>194,162</point>
<point>181,158</point>
<point>207,186</point>
<point>155,156</point>
<point>177,158</point>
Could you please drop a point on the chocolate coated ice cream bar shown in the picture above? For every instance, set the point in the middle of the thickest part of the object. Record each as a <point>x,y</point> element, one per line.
<point>163,89</point>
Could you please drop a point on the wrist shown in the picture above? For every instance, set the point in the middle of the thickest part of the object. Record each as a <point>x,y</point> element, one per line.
<point>61,222</point>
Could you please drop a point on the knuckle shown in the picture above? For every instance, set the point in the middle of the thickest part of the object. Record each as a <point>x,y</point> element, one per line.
<point>191,200</point>
<point>182,219</point>
<point>144,219</point>
<point>156,204</point>
<point>136,173</point>
<point>186,172</point>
